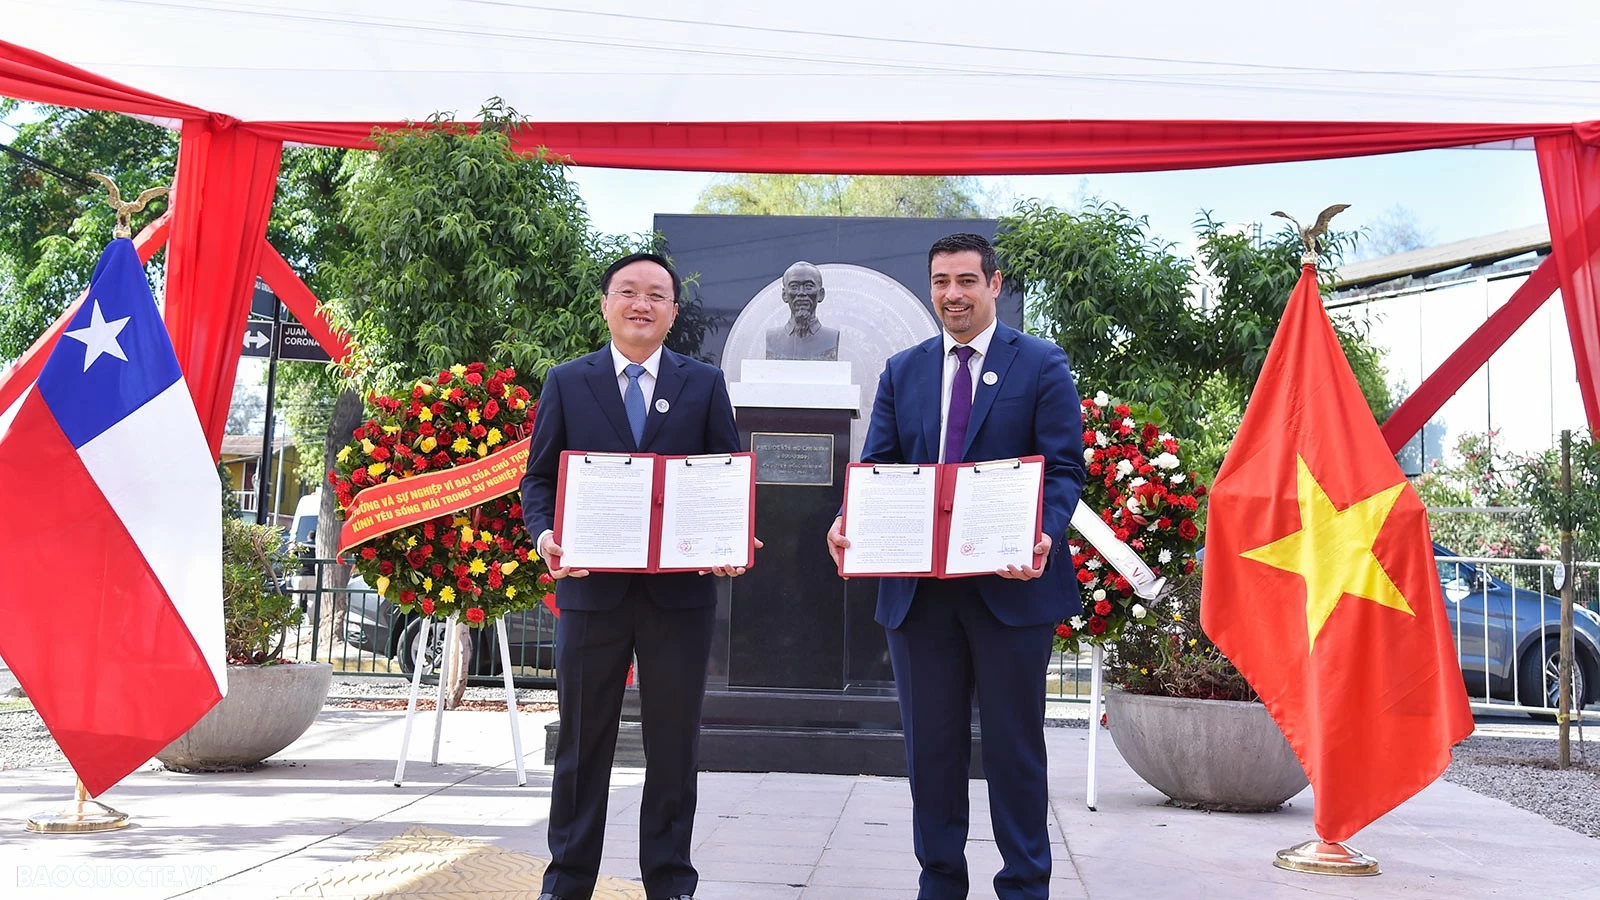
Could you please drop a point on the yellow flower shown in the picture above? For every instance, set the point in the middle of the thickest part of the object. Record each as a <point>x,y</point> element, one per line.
<point>1177,617</point>
<point>458,369</point>
<point>366,446</point>
<point>495,436</point>
<point>518,403</point>
<point>428,443</point>
<point>477,567</point>
<point>344,453</point>
<point>459,521</point>
<point>426,388</point>
<point>427,584</point>
<point>483,449</point>
<point>375,469</point>
<point>466,535</point>
<point>511,592</point>
<point>391,479</point>
<point>484,536</point>
<point>1193,641</point>
<point>506,568</point>
<point>383,585</point>
<point>411,542</point>
<point>533,556</point>
<point>391,429</point>
<point>425,414</point>
<point>460,445</point>
<point>447,594</point>
<point>473,416</point>
<point>1143,671</point>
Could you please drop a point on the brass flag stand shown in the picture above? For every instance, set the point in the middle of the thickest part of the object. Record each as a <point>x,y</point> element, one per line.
<point>82,816</point>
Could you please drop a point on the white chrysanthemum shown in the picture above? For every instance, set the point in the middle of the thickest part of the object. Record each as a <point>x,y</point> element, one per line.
<point>1101,398</point>
<point>1164,436</point>
<point>1164,557</point>
<point>1124,469</point>
<point>1092,564</point>
<point>1100,439</point>
<point>1099,595</point>
<point>1130,423</point>
<point>1138,611</point>
<point>1074,549</point>
<point>1178,478</point>
<point>1088,455</point>
<point>1165,461</point>
<point>1076,621</point>
<point>1133,504</point>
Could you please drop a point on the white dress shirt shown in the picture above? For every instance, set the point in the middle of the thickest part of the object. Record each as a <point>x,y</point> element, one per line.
<point>647,381</point>
<point>980,346</point>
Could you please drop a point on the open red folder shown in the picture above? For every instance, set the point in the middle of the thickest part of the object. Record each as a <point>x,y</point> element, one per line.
<point>640,512</point>
<point>942,520</point>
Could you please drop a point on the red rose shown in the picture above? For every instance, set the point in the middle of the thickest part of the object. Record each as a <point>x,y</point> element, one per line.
<point>381,454</point>
<point>1187,530</point>
<point>1199,490</point>
<point>436,571</point>
<point>408,597</point>
<point>1163,523</point>
<point>1103,608</point>
<point>385,568</point>
<point>1097,625</point>
<point>491,409</point>
<point>360,433</point>
<point>476,367</point>
<point>1064,630</point>
<point>369,553</point>
<point>1149,433</point>
<point>1123,410</point>
<point>444,377</point>
<point>427,606</point>
<point>474,379</point>
<point>474,614</point>
<point>441,459</point>
<point>425,429</point>
<point>1188,567</point>
<point>1095,469</point>
<point>478,431</point>
<point>544,580</point>
<point>1085,576</point>
<point>464,582</point>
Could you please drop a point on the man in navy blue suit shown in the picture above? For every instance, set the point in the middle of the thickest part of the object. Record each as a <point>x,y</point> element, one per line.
<point>633,396</point>
<point>979,391</point>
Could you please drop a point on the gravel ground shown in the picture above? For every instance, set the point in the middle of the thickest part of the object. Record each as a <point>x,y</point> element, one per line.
<point>1521,771</point>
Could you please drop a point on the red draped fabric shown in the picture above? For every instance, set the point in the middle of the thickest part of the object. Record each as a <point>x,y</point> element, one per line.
<point>223,196</point>
<point>1570,172</point>
<point>227,168</point>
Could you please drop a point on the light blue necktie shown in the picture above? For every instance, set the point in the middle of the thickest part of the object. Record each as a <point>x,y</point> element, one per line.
<point>633,401</point>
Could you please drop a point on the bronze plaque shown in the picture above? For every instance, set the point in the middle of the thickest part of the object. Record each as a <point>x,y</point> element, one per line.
<point>793,458</point>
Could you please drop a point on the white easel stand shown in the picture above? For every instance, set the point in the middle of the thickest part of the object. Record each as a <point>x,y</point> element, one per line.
<point>1096,684</point>
<point>438,719</point>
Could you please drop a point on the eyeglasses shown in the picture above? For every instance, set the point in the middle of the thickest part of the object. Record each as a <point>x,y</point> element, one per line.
<point>631,295</point>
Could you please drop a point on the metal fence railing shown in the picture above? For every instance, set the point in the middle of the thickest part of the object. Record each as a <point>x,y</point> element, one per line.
<point>345,623</point>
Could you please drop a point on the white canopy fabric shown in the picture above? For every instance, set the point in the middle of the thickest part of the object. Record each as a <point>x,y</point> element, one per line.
<point>836,60</point>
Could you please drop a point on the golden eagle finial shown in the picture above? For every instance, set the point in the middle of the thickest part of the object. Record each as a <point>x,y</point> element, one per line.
<point>125,210</point>
<point>1312,237</point>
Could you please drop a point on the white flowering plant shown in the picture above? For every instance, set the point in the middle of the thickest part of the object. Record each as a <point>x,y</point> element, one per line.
<point>1137,481</point>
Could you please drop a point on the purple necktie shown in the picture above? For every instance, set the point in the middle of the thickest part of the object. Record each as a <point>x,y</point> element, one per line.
<point>955,431</point>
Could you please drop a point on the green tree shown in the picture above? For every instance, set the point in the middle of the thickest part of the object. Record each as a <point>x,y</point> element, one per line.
<point>1123,305</point>
<point>909,196</point>
<point>53,222</point>
<point>465,250</point>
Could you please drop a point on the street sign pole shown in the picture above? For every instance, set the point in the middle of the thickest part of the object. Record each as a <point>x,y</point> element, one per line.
<point>264,467</point>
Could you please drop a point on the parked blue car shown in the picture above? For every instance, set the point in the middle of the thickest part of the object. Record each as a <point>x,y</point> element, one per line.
<point>1509,640</point>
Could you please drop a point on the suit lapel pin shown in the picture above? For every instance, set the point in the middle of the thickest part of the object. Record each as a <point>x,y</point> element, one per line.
<point>662,405</point>
<point>990,378</point>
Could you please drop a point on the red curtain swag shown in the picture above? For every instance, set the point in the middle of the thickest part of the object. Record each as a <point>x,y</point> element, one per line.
<point>227,170</point>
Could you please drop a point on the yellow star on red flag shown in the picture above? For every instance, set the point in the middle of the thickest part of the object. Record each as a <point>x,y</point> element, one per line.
<point>1332,550</point>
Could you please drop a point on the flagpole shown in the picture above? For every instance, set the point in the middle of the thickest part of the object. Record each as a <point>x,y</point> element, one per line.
<point>1096,685</point>
<point>82,816</point>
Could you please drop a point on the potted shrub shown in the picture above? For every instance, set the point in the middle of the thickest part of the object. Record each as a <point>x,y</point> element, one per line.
<point>1179,713</point>
<point>270,701</point>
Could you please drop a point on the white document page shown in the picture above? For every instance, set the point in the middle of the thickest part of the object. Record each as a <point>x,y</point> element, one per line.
<point>705,512</point>
<point>993,516</point>
<point>889,516</point>
<point>605,513</point>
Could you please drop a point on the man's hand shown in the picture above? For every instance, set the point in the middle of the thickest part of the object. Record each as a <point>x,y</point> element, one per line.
<point>837,541</point>
<point>551,552</point>
<point>1028,573</point>
<point>731,571</point>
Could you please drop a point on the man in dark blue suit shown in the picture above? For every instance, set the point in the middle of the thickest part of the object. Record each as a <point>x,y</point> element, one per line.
<point>634,396</point>
<point>979,391</point>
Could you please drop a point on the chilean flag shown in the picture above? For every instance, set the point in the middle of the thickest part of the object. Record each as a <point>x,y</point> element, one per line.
<point>111,537</point>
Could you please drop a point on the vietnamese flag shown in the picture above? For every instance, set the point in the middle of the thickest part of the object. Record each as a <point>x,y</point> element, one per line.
<point>1320,584</point>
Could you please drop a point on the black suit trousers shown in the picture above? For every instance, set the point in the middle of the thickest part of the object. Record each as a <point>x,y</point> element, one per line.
<point>593,651</point>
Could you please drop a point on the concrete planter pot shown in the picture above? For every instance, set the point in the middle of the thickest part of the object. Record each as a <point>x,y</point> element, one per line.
<point>1222,755</point>
<point>266,710</point>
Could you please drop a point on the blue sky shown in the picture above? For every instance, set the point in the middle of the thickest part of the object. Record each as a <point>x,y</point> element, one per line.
<point>1454,194</point>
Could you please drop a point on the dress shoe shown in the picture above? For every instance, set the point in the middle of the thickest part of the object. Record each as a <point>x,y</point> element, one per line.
<point>549,896</point>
